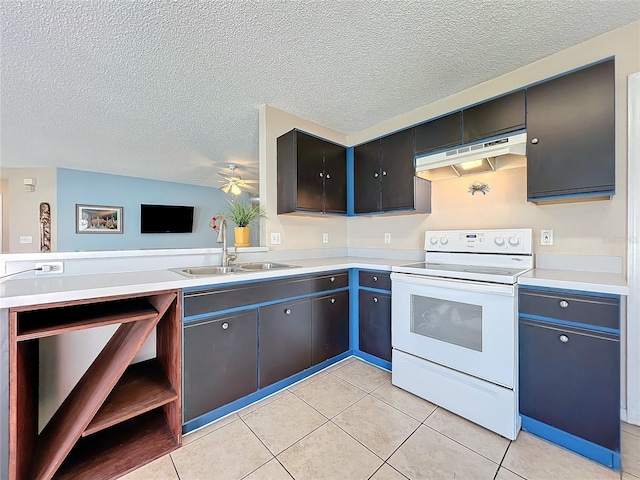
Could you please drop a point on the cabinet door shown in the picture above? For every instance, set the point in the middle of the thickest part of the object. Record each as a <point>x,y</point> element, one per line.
<point>570,379</point>
<point>440,133</point>
<point>329,326</point>
<point>495,117</point>
<point>398,171</point>
<point>220,361</point>
<point>310,172</point>
<point>335,178</point>
<point>285,340</point>
<point>366,180</point>
<point>571,133</point>
<point>375,324</point>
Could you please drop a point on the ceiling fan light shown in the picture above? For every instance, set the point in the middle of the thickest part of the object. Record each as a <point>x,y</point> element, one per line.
<point>235,190</point>
<point>225,188</point>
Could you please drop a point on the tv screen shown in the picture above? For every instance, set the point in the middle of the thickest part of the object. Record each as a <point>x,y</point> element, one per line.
<point>166,219</point>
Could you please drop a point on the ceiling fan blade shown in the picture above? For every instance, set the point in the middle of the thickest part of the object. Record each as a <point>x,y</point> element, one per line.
<point>248,187</point>
<point>225,188</point>
<point>250,181</point>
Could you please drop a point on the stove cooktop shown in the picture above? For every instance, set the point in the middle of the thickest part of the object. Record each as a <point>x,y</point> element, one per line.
<point>497,274</point>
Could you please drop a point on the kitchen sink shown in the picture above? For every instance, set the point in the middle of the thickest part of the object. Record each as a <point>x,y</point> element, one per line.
<point>206,271</point>
<point>263,266</point>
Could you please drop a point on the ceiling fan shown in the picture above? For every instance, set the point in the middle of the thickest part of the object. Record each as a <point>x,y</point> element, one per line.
<point>234,183</point>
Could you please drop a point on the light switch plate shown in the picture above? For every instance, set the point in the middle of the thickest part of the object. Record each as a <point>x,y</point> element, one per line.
<point>387,238</point>
<point>276,239</point>
<point>325,238</point>
<point>546,237</point>
<point>26,239</point>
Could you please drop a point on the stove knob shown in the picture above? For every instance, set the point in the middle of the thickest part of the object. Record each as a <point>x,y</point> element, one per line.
<point>444,240</point>
<point>499,241</point>
<point>433,240</point>
<point>514,241</point>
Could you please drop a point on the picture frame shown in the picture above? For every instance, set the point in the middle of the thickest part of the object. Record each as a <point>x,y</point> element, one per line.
<point>98,219</point>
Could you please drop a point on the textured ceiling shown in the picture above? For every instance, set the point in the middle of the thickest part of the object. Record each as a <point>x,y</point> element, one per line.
<point>170,89</point>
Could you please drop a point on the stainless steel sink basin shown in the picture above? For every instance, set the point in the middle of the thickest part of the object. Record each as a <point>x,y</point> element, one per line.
<point>205,271</point>
<point>263,266</point>
<point>208,271</point>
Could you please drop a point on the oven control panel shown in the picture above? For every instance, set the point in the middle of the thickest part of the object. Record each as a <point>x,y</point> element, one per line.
<point>480,241</point>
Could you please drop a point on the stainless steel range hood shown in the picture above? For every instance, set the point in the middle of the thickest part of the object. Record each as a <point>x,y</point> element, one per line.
<point>475,157</point>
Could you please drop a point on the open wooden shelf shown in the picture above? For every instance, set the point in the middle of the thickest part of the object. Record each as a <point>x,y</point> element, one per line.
<point>143,387</point>
<point>120,449</point>
<point>110,399</point>
<point>45,323</point>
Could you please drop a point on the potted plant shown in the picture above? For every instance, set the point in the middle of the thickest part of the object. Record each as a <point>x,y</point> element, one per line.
<point>243,214</point>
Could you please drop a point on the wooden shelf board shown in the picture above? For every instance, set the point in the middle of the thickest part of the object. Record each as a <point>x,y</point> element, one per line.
<point>143,387</point>
<point>39,324</point>
<point>71,419</point>
<point>118,450</point>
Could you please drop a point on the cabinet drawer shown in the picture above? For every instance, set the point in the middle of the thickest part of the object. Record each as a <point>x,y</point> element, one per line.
<point>233,296</point>
<point>571,307</point>
<point>380,280</point>
<point>329,281</point>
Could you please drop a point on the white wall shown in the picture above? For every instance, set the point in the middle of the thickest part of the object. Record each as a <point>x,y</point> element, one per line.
<point>24,207</point>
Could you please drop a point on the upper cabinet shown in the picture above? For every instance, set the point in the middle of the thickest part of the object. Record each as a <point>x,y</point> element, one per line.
<point>440,133</point>
<point>501,115</point>
<point>384,176</point>
<point>571,135</point>
<point>312,174</point>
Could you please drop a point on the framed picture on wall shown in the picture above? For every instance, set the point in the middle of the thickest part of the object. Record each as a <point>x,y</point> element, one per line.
<point>98,219</point>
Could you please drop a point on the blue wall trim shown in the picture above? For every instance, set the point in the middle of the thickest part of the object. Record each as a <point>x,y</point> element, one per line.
<point>574,292</point>
<point>583,326</point>
<point>354,310</point>
<point>571,442</point>
<point>225,410</point>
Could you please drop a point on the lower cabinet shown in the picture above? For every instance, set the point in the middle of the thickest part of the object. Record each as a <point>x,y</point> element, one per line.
<point>220,361</point>
<point>329,326</point>
<point>569,370</point>
<point>375,323</point>
<point>285,340</point>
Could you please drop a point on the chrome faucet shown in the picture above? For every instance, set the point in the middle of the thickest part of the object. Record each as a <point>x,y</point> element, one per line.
<point>227,257</point>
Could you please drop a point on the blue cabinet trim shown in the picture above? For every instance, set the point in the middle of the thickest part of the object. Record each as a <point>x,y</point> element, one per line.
<point>379,362</point>
<point>564,290</point>
<point>584,326</point>
<point>225,410</point>
<point>575,444</point>
<point>571,195</point>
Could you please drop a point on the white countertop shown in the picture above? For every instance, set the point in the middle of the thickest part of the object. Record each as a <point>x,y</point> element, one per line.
<point>596,282</point>
<point>35,291</point>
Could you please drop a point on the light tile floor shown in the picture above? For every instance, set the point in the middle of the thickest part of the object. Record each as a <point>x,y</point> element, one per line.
<point>348,422</point>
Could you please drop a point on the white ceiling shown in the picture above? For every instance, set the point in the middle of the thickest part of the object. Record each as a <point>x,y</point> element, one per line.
<point>170,89</point>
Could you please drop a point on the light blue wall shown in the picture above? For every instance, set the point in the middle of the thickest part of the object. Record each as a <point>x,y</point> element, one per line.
<point>79,187</point>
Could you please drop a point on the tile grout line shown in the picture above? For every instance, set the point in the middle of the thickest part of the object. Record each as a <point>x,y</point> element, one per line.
<point>174,466</point>
<point>463,445</point>
<point>263,444</point>
<point>398,408</point>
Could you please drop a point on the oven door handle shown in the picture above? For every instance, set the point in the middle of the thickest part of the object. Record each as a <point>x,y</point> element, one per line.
<point>462,285</point>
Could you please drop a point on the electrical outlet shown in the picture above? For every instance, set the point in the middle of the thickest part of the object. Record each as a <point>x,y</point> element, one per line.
<point>49,267</point>
<point>325,238</point>
<point>387,238</point>
<point>26,239</point>
<point>546,237</point>
<point>276,239</point>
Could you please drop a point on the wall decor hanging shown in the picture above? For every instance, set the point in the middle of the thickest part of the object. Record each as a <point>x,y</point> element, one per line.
<point>45,227</point>
<point>478,186</point>
<point>98,219</point>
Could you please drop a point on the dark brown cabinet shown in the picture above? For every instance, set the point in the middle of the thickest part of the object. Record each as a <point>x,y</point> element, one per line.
<point>569,369</point>
<point>219,351</point>
<point>375,323</point>
<point>571,134</point>
<point>329,326</point>
<point>384,176</point>
<point>285,340</point>
<point>440,133</point>
<point>312,174</point>
<point>496,117</point>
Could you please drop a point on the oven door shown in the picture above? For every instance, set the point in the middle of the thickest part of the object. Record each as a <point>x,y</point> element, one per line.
<point>464,325</point>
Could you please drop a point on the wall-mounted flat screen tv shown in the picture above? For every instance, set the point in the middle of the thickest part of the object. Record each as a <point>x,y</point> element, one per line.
<point>166,219</point>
